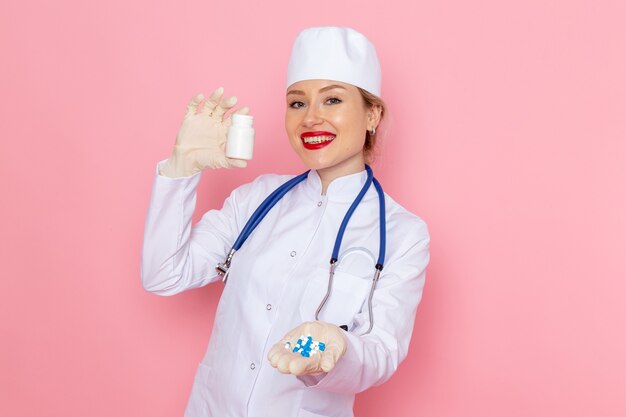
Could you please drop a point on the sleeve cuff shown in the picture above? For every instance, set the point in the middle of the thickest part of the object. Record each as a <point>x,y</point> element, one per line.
<point>311,380</point>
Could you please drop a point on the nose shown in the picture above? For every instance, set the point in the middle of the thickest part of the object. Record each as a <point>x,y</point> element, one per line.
<point>312,117</point>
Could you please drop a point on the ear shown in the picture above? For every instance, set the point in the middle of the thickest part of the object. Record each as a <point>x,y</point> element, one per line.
<point>373,116</point>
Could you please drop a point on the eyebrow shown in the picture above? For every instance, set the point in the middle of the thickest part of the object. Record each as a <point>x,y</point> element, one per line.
<point>328,87</point>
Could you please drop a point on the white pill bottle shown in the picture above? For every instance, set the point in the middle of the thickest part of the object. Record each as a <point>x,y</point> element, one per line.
<point>240,141</point>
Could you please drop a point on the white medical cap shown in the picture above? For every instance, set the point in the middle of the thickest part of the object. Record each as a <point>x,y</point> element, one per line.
<point>332,53</point>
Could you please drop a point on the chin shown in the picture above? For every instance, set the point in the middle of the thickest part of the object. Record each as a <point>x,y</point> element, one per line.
<point>316,163</point>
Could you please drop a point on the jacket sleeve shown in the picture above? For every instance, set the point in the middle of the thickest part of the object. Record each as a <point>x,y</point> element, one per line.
<point>371,359</point>
<point>176,257</point>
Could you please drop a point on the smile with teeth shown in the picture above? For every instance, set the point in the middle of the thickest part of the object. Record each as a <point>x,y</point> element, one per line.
<point>317,139</point>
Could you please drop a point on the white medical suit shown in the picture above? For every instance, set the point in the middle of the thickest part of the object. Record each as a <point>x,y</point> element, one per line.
<point>276,282</point>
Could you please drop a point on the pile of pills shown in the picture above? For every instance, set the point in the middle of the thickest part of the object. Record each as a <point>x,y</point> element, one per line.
<point>306,346</point>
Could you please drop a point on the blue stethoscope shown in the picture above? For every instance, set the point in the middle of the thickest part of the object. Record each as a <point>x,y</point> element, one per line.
<point>272,199</point>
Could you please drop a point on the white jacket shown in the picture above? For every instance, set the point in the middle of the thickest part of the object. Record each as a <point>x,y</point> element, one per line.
<point>277,280</point>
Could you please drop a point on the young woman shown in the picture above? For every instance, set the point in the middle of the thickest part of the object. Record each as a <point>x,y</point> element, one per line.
<point>333,258</point>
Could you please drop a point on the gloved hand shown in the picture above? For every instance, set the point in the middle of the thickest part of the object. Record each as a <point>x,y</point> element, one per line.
<point>289,362</point>
<point>201,139</point>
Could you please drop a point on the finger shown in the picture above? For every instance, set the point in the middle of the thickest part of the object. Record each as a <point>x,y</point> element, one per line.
<point>211,103</point>
<point>224,106</point>
<point>228,120</point>
<point>271,355</point>
<point>328,361</point>
<point>275,352</point>
<point>243,110</point>
<point>192,106</point>
<point>283,362</point>
<point>303,365</point>
<point>278,350</point>
<point>331,355</point>
<point>297,366</point>
<point>237,163</point>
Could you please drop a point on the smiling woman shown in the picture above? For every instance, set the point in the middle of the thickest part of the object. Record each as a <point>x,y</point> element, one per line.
<point>326,122</point>
<point>358,318</point>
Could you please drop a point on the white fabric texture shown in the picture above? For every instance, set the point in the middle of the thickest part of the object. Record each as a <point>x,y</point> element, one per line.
<point>333,53</point>
<point>276,282</point>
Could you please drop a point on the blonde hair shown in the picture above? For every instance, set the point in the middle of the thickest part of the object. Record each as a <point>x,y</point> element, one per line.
<point>370,100</point>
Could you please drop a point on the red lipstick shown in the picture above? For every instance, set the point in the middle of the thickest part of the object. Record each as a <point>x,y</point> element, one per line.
<point>314,146</point>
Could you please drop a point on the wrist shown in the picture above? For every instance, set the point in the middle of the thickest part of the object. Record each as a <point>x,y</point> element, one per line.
<point>178,165</point>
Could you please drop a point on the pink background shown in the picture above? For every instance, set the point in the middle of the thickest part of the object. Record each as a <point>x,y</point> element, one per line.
<point>507,135</point>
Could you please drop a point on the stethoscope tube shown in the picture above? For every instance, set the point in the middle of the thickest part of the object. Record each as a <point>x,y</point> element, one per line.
<point>265,207</point>
<point>276,195</point>
<point>346,218</point>
<point>381,250</point>
<point>254,220</point>
<point>381,253</point>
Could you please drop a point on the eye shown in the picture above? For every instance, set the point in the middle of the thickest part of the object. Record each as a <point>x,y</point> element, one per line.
<point>296,104</point>
<point>333,100</point>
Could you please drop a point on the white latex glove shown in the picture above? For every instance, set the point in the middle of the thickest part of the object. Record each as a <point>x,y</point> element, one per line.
<point>201,139</point>
<point>289,362</point>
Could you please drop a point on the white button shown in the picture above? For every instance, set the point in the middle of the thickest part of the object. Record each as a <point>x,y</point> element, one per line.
<point>269,306</point>
<point>252,366</point>
<point>293,253</point>
<point>319,204</point>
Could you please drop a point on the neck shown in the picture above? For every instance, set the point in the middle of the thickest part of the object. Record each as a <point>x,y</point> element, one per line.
<point>327,175</point>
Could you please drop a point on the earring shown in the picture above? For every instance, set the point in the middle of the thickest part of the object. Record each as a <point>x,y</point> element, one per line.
<point>373,131</point>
